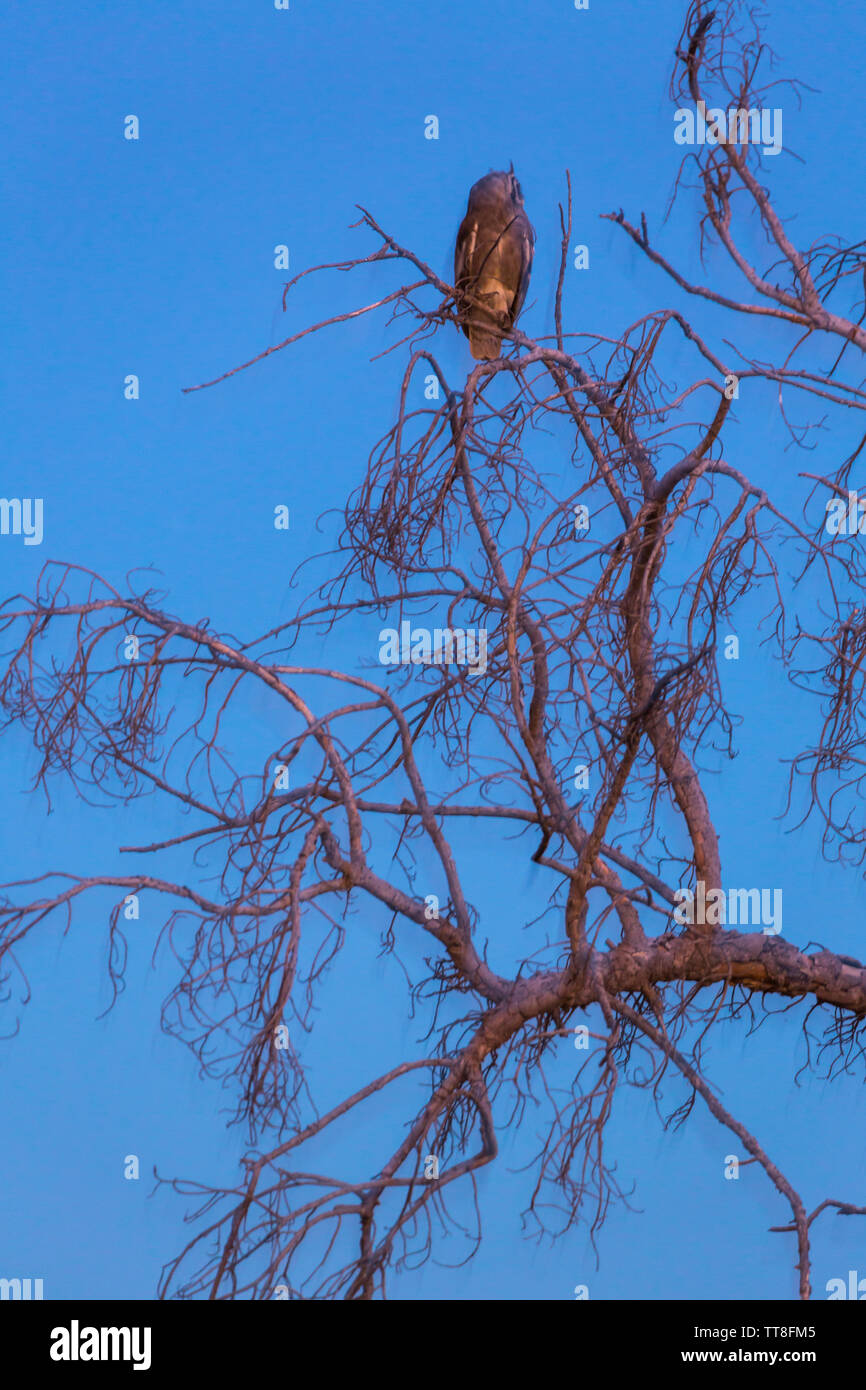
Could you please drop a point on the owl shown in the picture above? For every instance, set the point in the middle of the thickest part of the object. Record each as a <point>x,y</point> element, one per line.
<point>493,260</point>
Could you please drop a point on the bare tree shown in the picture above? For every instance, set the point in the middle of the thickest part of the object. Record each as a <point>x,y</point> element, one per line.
<point>603,651</point>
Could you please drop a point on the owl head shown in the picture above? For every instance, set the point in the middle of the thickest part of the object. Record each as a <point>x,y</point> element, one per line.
<point>502,183</point>
<point>514,187</point>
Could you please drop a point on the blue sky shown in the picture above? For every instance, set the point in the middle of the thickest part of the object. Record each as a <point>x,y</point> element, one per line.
<point>155,257</point>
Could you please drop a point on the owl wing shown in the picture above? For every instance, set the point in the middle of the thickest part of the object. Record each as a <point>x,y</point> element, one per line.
<point>525,250</point>
<point>464,250</point>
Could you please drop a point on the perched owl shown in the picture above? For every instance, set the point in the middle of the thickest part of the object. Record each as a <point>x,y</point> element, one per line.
<point>492,260</point>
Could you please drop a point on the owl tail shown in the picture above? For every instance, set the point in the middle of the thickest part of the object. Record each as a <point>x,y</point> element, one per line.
<point>483,344</point>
